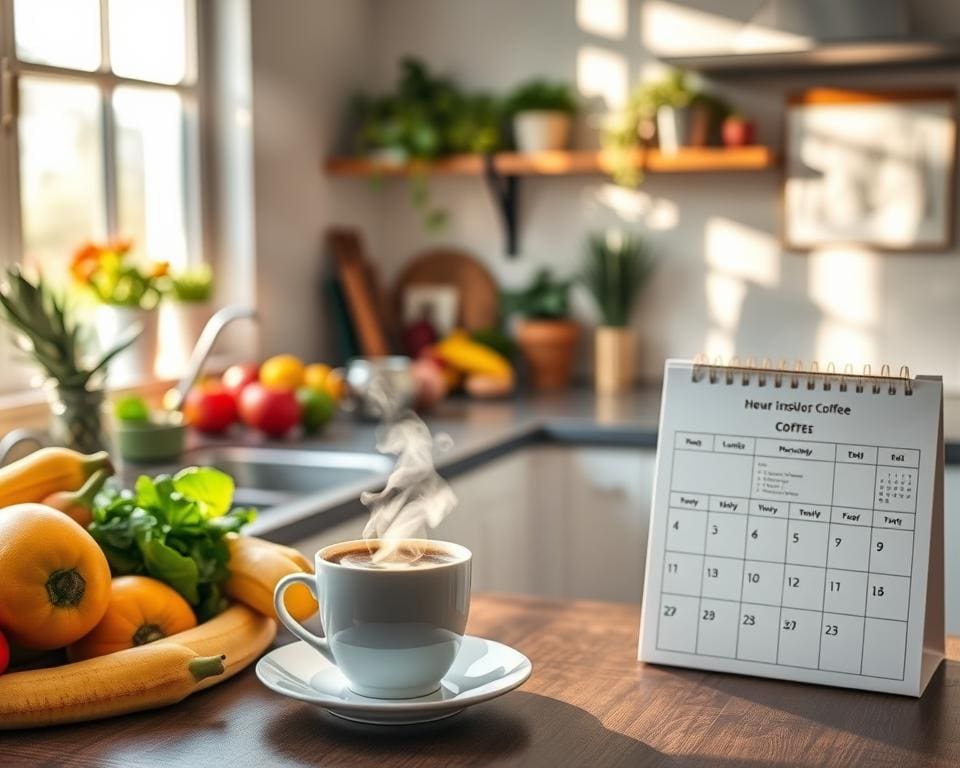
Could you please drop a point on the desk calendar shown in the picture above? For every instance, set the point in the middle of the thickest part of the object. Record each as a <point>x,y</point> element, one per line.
<point>797,527</point>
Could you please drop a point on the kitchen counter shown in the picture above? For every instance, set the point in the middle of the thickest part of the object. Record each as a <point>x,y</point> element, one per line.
<point>483,430</point>
<point>588,703</point>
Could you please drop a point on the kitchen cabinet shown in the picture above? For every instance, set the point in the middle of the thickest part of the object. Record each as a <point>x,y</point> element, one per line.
<point>571,522</point>
<point>554,521</point>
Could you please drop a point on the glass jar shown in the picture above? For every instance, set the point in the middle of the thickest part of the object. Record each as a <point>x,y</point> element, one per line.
<point>77,418</point>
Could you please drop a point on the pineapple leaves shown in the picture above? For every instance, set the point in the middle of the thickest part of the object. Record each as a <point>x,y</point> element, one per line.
<point>44,328</point>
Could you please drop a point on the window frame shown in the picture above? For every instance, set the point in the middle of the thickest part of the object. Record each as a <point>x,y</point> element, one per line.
<point>190,90</point>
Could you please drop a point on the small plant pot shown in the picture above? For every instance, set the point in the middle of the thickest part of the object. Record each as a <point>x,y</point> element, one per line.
<point>679,127</point>
<point>548,347</point>
<point>737,132</point>
<point>541,130</point>
<point>151,442</point>
<point>613,359</point>
<point>139,360</point>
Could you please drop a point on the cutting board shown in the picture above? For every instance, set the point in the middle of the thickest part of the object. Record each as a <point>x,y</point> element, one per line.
<point>479,295</point>
<point>361,291</point>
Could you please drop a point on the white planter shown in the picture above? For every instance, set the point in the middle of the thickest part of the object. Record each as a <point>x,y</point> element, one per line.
<point>539,131</point>
<point>181,323</point>
<point>138,361</point>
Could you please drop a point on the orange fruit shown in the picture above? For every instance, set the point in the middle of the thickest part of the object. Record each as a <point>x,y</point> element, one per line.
<point>315,376</point>
<point>282,372</point>
<point>335,386</point>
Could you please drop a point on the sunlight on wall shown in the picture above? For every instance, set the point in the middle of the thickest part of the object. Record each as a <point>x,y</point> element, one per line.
<point>635,205</point>
<point>844,282</point>
<point>738,250</point>
<point>669,27</point>
<point>725,297</point>
<point>736,256</point>
<point>607,18</point>
<point>603,74</point>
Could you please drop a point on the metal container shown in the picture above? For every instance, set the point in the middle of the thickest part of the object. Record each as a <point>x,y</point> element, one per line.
<point>379,387</point>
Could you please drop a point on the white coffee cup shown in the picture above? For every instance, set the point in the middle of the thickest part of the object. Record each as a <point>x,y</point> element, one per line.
<point>393,632</point>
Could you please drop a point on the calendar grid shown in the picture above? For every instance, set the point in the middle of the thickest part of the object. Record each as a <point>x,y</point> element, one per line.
<point>812,527</point>
<point>866,594</point>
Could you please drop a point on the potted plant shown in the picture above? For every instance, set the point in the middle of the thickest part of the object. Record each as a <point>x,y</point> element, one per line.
<point>46,330</point>
<point>425,118</point>
<point>542,115</point>
<point>126,295</point>
<point>183,314</point>
<point>669,113</point>
<point>738,131</point>
<point>546,336</point>
<point>617,267</point>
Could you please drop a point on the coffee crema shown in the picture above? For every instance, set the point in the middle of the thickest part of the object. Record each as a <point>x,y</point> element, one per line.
<point>401,558</point>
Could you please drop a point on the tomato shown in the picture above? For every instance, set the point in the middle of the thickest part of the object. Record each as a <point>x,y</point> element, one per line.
<point>210,408</point>
<point>4,653</point>
<point>273,411</point>
<point>236,377</point>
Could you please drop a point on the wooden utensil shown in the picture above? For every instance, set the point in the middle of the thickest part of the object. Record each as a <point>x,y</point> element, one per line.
<point>361,289</point>
<point>479,304</point>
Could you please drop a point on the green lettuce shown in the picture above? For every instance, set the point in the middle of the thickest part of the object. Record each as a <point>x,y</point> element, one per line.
<point>173,529</point>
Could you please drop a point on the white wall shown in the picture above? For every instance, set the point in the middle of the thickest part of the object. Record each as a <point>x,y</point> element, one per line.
<point>309,57</point>
<point>724,284</point>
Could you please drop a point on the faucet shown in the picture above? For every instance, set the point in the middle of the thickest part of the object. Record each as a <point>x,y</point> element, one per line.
<point>201,350</point>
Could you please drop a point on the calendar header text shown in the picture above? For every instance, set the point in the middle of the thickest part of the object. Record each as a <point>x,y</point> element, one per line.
<point>796,407</point>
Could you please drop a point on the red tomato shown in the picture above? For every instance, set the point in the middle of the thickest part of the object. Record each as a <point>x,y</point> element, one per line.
<point>210,408</point>
<point>275,412</point>
<point>4,653</point>
<point>236,377</point>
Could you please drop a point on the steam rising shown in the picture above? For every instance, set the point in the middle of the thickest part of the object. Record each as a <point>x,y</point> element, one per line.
<point>415,497</point>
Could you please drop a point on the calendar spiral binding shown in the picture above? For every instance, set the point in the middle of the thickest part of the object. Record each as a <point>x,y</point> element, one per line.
<point>785,376</point>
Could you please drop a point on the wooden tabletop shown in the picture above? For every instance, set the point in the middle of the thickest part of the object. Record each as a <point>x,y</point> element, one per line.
<point>588,703</point>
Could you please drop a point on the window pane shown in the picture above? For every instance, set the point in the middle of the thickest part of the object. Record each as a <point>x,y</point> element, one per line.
<point>151,175</point>
<point>148,41</point>
<point>61,170</point>
<point>62,33</point>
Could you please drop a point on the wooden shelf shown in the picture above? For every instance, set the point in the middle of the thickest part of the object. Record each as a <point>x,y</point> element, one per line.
<point>503,171</point>
<point>565,163</point>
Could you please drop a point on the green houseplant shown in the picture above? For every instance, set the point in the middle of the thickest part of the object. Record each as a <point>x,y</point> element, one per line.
<point>542,114</point>
<point>45,329</point>
<point>617,267</point>
<point>547,337</point>
<point>671,113</point>
<point>424,118</point>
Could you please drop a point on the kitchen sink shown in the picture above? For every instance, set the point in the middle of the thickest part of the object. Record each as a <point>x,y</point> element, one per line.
<point>268,477</point>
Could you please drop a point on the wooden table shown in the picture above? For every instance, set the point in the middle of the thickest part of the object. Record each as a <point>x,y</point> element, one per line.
<point>589,703</point>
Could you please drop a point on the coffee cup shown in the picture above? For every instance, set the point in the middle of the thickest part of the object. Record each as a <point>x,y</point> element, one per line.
<point>392,628</point>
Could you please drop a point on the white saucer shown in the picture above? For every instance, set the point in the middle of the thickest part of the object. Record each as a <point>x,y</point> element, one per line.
<point>483,670</point>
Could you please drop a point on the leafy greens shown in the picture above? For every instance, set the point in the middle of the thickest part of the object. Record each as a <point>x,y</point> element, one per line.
<point>173,529</point>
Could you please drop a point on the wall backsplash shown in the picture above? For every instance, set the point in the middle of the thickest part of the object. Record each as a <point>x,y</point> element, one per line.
<point>724,285</point>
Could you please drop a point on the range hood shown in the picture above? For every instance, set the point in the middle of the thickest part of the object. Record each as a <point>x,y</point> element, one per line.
<point>790,34</point>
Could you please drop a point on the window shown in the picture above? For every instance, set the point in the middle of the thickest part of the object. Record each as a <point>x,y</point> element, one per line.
<point>99,129</point>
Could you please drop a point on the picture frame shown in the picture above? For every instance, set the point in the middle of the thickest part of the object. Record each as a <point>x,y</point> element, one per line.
<point>874,169</point>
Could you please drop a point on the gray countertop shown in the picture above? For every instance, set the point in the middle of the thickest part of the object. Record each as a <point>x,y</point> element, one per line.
<point>482,430</point>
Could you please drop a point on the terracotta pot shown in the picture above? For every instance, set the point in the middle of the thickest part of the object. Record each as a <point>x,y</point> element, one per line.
<point>613,359</point>
<point>548,348</point>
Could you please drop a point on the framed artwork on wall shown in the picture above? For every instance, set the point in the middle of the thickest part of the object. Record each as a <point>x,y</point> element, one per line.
<point>870,168</point>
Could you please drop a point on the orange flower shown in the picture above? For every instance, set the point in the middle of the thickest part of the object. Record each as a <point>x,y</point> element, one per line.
<point>119,245</point>
<point>86,260</point>
<point>159,269</point>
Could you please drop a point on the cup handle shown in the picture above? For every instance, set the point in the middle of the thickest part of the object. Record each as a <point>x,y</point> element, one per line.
<point>308,580</point>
